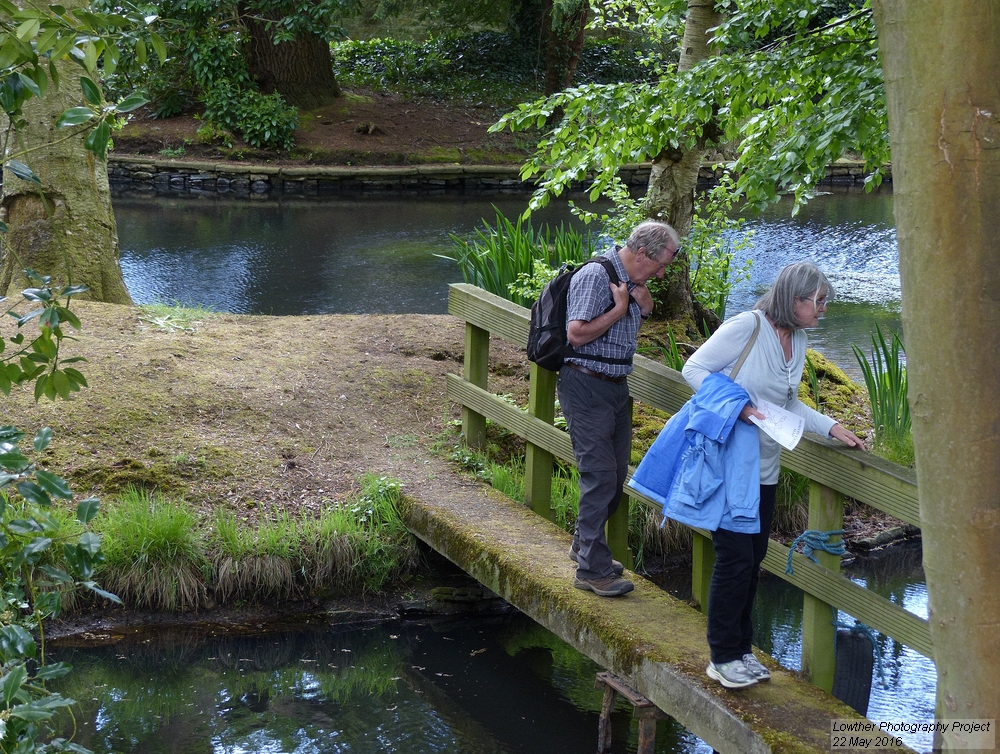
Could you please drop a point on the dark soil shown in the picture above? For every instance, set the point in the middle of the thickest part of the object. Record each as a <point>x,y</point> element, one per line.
<point>362,128</point>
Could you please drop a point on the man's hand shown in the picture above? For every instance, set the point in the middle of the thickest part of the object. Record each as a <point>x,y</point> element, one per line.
<point>644,299</point>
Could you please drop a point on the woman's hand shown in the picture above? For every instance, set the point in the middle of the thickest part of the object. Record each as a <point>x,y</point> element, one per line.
<point>749,411</point>
<point>846,436</point>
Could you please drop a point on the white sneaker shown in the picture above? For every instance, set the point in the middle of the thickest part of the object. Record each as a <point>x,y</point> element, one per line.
<point>732,675</point>
<point>755,668</point>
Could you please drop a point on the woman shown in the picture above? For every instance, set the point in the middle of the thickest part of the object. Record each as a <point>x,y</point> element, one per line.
<point>771,372</point>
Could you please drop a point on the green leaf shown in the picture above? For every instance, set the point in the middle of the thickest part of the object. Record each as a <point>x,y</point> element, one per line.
<point>29,84</point>
<point>13,460</point>
<point>53,484</point>
<point>57,574</point>
<point>131,103</point>
<point>33,493</point>
<point>10,685</point>
<point>22,171</point>
<point>74,117</point>
<point>101,593</point>
<point>140,52</point>
<point>55,670</point>
<point>28,29</point>
<point>91,91</point>
<point>14,640</point>
<point>35,547</point>
<point>43,438</point>
<point>87,509</point>
<point>158,46</point>
<point>97,140</point>
<point>90,543</point>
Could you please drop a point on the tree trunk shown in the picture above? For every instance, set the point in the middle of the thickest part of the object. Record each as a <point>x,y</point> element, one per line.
<point>674,176</point>
<point>564,43</point>
<point>301,71</point>
<point>940,59</point>
<point>65,227</point>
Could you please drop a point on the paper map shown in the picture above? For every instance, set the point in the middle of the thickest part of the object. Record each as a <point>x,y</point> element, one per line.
<point>785,427</point>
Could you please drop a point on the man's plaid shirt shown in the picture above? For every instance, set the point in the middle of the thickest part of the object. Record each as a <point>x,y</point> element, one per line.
<point>590,296</point>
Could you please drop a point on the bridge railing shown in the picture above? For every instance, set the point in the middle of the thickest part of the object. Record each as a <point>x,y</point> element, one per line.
<point>834,472</point>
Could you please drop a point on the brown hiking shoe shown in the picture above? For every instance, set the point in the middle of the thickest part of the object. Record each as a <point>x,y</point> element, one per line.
<point>610,586</point>
<point>619,569</point>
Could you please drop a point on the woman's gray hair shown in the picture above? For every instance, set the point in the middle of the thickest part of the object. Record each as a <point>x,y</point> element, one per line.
<point>802,280</point>
<point>655,236</point>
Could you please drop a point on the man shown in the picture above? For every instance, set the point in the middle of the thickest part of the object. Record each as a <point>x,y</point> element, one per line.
<point>602,323</point>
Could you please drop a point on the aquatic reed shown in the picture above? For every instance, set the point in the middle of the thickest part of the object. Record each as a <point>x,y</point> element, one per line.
<point>885,380</point>
<point>501,258</point>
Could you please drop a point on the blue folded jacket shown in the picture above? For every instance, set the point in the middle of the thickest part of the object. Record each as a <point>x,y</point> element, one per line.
<point>704,467</point>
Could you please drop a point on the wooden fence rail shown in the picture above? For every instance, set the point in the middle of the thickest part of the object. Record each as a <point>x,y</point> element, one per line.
<point>834,472</point>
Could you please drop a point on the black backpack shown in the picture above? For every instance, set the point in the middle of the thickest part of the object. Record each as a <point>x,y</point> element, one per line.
<point>547,343</point>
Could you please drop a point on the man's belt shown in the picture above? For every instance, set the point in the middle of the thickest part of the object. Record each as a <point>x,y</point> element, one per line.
<point>592,373</point>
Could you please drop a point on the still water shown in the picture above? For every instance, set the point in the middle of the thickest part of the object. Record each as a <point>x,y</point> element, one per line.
<point>371,254</point>
<point>471,686</point>
<point>467,686</point>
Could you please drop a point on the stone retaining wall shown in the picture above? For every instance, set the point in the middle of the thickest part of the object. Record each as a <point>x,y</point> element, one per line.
<point>144,174</point>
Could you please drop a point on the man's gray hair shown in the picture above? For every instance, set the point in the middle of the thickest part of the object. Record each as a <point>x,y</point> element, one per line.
<point>656,236</point>
<point>802,280</point>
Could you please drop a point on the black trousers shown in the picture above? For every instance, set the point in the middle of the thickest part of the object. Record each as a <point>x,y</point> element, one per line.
<point>734,584</point>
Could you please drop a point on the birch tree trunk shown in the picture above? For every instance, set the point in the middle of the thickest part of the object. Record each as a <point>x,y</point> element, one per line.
<point>940,60</point>
<point>674,174</point>
<point>65,227</point>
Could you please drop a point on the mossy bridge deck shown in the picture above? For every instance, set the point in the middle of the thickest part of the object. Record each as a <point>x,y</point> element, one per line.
<point>652,640</point>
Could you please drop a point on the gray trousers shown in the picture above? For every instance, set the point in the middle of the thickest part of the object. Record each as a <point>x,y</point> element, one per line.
<point>600,426</point>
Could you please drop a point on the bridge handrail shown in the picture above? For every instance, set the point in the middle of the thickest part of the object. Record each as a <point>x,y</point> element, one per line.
<point>833,470</point>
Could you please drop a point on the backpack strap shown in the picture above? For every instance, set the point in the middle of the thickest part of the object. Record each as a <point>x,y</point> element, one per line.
<point>609,267</point>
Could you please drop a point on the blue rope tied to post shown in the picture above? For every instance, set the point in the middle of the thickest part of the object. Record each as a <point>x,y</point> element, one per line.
<point>812,540</point>
<point>861,628</point>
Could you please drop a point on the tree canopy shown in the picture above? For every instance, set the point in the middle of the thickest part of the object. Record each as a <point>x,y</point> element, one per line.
<point>795,85</point>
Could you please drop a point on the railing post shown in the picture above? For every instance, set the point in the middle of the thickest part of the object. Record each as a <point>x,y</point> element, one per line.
<point>537,461</point>
<point>702,564</point>
<point>617,528</point>
<point>819,634</point>
<point>475,370</point>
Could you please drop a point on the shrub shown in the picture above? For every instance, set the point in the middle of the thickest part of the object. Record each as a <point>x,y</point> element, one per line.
<point>263,120</point>
<point>885,380</point>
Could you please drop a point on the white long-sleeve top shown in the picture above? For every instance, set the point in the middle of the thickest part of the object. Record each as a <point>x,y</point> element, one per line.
<point>765,375</point>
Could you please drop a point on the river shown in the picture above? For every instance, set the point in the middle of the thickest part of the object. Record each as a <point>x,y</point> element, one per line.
<point>372,254</point>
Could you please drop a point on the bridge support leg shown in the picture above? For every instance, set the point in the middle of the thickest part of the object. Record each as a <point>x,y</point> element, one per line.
<point>538,462</point>
<point>702,564</point>
<point>617,528</point>
<point>647,712</point>
<point>819,634</point>
<point>475,370</point>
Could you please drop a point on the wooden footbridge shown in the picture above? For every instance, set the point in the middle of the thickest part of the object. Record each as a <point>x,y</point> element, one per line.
<point>653,641</point>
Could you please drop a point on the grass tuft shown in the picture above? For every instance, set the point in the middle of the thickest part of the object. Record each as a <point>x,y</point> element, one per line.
<point>174,317</point>
<point>153,558</point>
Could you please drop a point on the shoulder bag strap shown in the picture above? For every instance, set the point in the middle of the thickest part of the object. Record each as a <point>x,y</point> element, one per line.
<point>747,348</point>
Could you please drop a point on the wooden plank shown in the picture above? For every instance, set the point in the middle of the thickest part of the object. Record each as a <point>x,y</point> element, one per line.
<point>498,315</point>
<point>517,421</point>
<point>857,474</point>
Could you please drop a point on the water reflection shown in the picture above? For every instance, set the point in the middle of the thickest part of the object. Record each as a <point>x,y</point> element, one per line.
<point>910,679</point>
<point>470,687</point>
<point>336,255</point>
